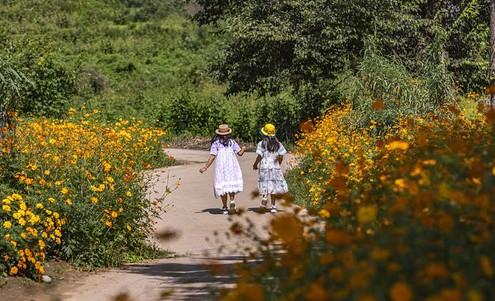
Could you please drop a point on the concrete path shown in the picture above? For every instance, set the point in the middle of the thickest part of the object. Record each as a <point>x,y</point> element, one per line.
<point>195,214</point>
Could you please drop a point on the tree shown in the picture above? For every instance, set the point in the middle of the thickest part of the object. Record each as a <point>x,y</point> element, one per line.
<point>272,45</point>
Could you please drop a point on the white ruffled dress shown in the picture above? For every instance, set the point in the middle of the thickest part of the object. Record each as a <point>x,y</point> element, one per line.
<point>228,174</point>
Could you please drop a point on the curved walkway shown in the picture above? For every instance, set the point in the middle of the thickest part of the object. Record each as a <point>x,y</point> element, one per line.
<point>194,214</point>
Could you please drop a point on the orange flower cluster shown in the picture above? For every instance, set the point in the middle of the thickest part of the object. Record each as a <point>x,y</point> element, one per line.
<point>79,187</point>
<point>413,223</point>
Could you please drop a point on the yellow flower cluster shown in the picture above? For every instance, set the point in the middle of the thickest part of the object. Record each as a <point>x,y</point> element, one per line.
<point>331,147</point>
<point>27,231</point>
<point>76,176</point>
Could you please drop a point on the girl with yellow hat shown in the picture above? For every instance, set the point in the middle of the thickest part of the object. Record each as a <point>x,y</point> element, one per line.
<point>271,181</point>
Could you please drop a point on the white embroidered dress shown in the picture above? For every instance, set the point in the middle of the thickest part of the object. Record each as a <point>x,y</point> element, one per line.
<point>271,178</point>
<point>228,174</point>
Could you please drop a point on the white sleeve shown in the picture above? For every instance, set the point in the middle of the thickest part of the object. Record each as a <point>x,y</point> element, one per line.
<point>282,151</point>
<point>260,149</point>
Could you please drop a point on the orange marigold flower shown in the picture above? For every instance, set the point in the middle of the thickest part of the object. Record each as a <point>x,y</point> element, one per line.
<point>400,292</point>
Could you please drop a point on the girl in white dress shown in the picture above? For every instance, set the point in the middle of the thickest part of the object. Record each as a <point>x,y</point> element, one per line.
<point>228,176</point>
<point>270,156</point>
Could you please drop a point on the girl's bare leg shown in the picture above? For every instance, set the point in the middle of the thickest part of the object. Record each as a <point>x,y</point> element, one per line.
<point>224,200</point>
<point>232,203</point>
<point>264,200</point>
<point>273,198</point>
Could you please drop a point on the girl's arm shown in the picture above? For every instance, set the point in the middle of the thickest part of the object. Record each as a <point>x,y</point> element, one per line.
<point>208,164</point>
<point>241,152</point>
<point>256,162</point>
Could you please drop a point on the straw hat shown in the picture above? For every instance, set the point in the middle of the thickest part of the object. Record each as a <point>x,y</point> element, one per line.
<point>223,130</point>
<point>269,130</point>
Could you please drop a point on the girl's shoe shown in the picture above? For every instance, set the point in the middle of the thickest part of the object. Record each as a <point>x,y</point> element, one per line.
<point>225,210</point>
<point>232,207</point>
<point>274,209</point>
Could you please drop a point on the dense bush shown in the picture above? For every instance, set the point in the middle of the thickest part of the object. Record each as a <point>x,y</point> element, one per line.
<point>380,82</point>
<point>77,192</point>
<point>49,85</point>
<point>412,222</point>
<point>201,114</point>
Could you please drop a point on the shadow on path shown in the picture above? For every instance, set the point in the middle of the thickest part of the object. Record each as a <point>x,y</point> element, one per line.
<point>216,211</point>
<point>191,281</point>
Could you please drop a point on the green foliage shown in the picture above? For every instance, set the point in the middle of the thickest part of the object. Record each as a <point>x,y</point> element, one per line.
<point>45,86</point>
<point>51,89</point>
<point>130,57</point>
<point>303,44</point>
<point>200,114</point>
<point>389,84</point>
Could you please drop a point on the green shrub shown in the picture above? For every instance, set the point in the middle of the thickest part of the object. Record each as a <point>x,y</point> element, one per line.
<point>388,84</point>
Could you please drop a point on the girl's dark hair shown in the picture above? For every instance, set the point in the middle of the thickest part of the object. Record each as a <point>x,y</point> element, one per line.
<point>271,144</point>
<point>225,140</point>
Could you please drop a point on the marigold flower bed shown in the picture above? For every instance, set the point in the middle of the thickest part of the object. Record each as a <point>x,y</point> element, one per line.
<point>76,192</point>
<point>409,216</point>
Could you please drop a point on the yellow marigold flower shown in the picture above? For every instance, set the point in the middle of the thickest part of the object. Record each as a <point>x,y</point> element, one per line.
<point>129,228</point>
<point>324,213</point>
<point>400,183</point>
<point>13,271</point>
<point>430,162</point>
<point>108,224</point>
<point>46,172</point>
<point>397,145</point>
<point>39,206</point>
<point>17,197</point>
<point>129,193</point>
<point>367,214</point>
<point>22,221</point>
<point>486,266</point>
<point>115,214</point>
<point>41,244</point>
<point>68,202</point>
<point>6,201</point>
<point>94,200</point>
<point>51,200</point>
<point>107,167</point>
<point>44,235</point>
<point>6,208</point>
<point>58,233</point>
<point>7,225</point>
<point>64,190</point>
<point>474,295</point>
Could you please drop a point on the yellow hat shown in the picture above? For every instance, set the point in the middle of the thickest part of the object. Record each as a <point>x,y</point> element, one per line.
<point>269,130</point>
